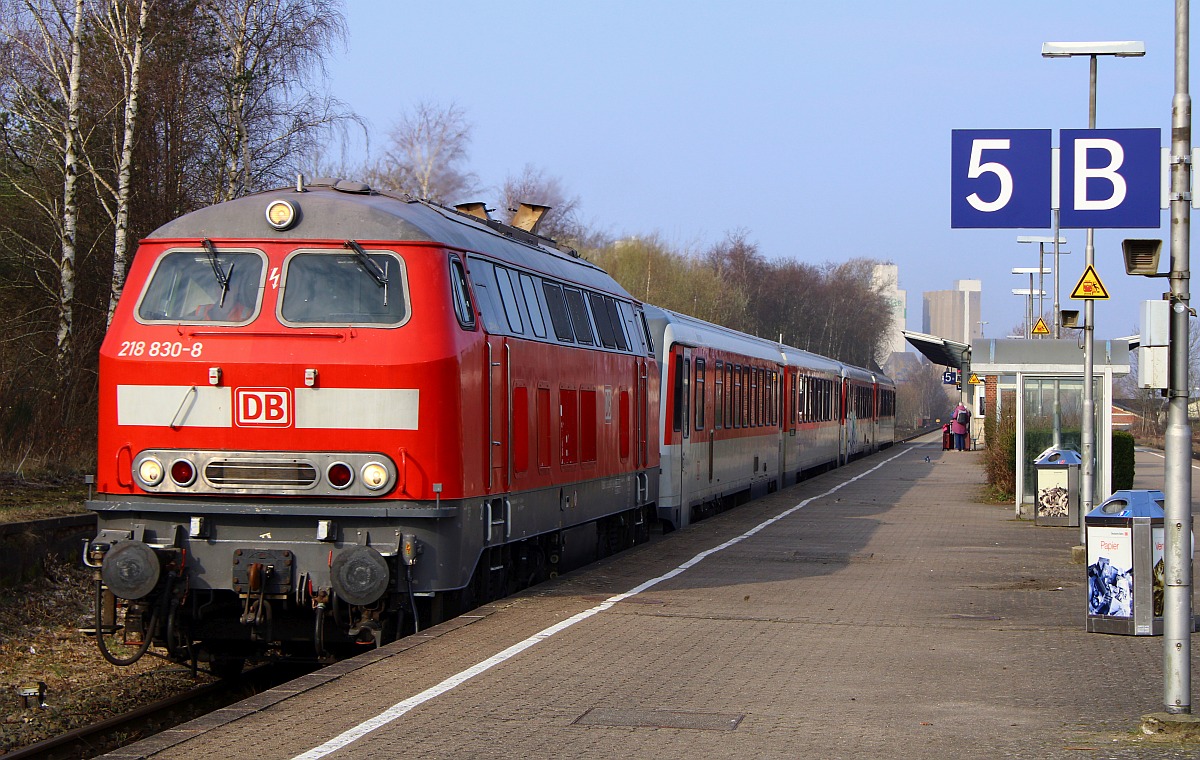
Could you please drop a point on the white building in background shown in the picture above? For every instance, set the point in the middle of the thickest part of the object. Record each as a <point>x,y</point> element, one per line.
<point>886,279</point>
<point>954,314</point>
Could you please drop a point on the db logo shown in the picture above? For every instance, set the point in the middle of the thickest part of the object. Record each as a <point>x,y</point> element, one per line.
<point>263,406</point>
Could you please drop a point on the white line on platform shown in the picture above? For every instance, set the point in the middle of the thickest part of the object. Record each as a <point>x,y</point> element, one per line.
<point>400,708</point>
<point>1160,456</point>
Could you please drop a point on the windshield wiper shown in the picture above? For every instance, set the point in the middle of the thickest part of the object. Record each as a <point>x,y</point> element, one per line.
<point>222,277</point>
<point>380,275</point>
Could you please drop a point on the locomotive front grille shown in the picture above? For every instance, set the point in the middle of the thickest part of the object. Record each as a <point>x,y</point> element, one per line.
<point>253,473</point>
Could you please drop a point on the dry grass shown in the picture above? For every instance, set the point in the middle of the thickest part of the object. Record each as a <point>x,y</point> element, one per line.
<point>39,641</point>
<point>44,496</point>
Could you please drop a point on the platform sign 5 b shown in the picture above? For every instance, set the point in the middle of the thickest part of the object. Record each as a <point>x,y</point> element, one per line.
<point>1109,178</point>
<point>1000,178</point>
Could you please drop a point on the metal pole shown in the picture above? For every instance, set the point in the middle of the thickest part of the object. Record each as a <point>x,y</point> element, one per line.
<point>1177,551</point>
<point>1057,314</point>
<point>1087,432</point>
<point>1041,280</point>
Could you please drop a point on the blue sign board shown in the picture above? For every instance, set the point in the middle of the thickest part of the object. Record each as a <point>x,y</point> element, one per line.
<point>1000,178</point>
<point>1110,178</point>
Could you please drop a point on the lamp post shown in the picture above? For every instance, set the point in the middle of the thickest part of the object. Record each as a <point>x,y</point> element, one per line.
<point>1029,293</point>
<point>1087,433</point>
<point>1042,241</point>
<point>1031,271</point>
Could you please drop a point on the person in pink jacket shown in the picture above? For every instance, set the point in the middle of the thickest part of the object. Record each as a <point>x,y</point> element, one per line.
<point>960,421</point>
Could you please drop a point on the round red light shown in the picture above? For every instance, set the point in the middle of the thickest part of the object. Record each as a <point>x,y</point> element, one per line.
<point>339,475</point>
<point>182,472</point>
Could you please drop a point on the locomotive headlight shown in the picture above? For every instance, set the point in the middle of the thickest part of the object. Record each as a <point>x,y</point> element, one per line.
<point>281,215</point>
<point>150,471</point>
<point>374,475</point>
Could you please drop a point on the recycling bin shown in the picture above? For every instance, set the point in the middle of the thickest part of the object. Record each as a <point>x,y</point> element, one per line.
<point>1057,492</point>
<point>1125,564</point>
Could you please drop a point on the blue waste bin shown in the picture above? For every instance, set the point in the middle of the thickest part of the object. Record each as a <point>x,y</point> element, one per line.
<point>1125,576</point>
<point>1057,501</point>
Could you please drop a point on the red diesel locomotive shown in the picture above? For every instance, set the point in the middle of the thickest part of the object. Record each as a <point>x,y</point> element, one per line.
<point>330,416</point>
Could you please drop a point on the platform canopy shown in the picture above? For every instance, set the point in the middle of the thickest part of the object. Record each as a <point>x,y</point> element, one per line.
<point>941,351</point>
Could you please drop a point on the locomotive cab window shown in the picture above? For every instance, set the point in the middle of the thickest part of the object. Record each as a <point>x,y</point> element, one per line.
<point>340,288</point>
<point>203,286</point>
<point>462,295</point>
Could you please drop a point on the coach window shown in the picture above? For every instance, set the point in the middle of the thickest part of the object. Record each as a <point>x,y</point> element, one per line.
<point>579,316</point>
<point>509,298</point>
<point>344,288</point>
<point>719,396</point>
<point>203,286</point>
<point>728,396</point>
<point>462,295</point>
<point>533,306</point>
<point>558,312</point>
<point>699,382</point>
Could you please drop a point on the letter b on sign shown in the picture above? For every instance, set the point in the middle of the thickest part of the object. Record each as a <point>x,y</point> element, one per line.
<point>1110,178</point>
<point>263,406</point>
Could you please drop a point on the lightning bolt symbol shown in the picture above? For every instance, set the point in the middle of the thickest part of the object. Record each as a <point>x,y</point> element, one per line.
<point>275,278</point>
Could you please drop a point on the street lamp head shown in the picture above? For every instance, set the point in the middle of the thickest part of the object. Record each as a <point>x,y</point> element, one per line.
<point>1126,49</point>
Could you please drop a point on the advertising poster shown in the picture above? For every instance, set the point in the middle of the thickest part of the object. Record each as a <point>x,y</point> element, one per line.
<point>1110,571</point>
<point>1160,571</point>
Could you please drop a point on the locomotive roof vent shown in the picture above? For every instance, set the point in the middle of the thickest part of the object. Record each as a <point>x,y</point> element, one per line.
<point>476,209</point>
<point>324,181</point>
<point>351,186</point>
<point>527,216</point>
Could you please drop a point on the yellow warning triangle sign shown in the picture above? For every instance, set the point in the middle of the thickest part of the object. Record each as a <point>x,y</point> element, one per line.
<point>974,379</point>
<point>1089,287</point>
<point>1040,328</point>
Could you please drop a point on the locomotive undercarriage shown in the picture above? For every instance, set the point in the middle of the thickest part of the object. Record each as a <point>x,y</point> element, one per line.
<point>218,592</point>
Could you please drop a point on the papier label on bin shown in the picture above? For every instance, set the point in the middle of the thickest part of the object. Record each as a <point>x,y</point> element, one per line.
<point>1110,571</point>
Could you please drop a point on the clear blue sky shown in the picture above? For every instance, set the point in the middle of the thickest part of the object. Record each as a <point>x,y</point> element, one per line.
<point>821,129</point>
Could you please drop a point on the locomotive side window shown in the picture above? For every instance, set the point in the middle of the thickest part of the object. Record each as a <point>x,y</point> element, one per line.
<point>462,295</point>
<point>338,288</point>
<point>534,307</point>
<point>603,324</point>
<point>203,286</point>
<point>579,316</point>
<point>558,312</point>
<point>509,298</point>
<point>614,318</point>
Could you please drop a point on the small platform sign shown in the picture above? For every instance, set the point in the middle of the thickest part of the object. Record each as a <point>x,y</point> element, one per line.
<point>1089,287</point>
<point>1040,328</point>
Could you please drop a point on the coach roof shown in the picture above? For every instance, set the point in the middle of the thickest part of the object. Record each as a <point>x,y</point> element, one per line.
<point>341,210</point>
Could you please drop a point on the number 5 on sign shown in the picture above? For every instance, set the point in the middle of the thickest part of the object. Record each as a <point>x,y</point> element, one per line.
<point>1000,178</point>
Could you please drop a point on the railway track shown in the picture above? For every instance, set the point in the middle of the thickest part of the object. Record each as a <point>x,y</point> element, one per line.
<point>120,730</point>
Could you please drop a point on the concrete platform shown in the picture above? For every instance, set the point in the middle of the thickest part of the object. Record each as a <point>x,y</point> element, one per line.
<point>878,611</point>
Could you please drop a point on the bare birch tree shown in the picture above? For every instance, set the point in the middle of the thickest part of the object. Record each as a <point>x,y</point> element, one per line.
<point>42,99</point>
<point>124,23</point>
<point>424,157</point>
<point>263,114</point>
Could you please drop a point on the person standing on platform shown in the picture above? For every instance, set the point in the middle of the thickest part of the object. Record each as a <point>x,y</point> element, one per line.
<point>960,421</point>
